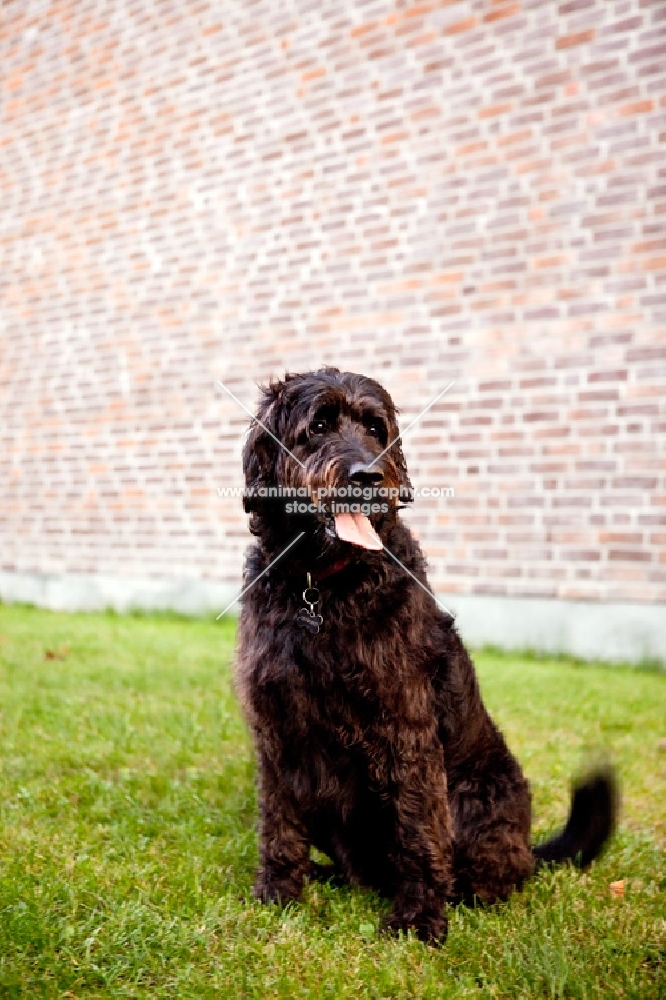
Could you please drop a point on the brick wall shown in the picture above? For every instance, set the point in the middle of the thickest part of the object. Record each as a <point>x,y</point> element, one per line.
<point>422,192</point>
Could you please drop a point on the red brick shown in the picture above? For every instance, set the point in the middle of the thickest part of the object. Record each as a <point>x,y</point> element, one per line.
<point>577,38</point>
<point>463,25</point>
<point>499,12</point>
<point>636,108</point>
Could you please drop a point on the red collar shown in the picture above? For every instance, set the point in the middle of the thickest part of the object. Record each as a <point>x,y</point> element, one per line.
<point>335,568</point>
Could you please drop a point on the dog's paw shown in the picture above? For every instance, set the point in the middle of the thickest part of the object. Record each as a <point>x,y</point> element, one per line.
<point>267,892</point>
<point>430,928</point>
<point>278,891</point>
<point>420,907</point>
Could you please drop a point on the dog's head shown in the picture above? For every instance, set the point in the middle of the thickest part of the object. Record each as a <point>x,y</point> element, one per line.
<point>323,455</point>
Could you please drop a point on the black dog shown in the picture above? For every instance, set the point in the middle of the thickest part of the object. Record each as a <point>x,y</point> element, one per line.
<point>373,742</point>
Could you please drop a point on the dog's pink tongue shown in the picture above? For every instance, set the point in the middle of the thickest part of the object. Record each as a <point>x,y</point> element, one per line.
<point>356,528</point>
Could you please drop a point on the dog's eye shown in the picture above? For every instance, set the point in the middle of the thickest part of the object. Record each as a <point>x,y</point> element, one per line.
<point>376,429</point>
<point>374,426</point>
<point>318,427</point>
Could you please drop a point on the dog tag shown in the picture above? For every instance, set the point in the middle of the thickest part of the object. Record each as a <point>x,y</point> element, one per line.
<point>308,617</point>
<point>309,620</point>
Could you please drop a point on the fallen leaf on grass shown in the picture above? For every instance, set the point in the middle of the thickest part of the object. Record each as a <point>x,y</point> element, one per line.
<point>617,888</point>
<point>51,654</point>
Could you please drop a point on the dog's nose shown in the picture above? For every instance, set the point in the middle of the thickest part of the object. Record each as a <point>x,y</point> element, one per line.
<point>361,475</point>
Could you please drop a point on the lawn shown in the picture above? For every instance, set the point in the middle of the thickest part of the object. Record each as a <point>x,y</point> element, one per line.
<point>128,840</point>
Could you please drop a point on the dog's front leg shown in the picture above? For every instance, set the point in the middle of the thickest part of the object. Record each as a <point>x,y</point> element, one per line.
<point>424,854</point>
<point>283,848</point>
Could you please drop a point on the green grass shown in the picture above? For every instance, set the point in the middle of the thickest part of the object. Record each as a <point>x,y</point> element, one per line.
<point>127,833</point>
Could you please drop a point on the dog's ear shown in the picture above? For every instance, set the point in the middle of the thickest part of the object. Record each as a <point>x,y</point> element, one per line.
<point>395,451</point>
<point>260,451</point>
<point>406,490</point>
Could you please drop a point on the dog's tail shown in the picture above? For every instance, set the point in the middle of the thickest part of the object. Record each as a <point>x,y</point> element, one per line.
<point>592,818</point>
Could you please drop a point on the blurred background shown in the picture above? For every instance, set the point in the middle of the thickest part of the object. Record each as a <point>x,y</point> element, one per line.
<point>469,192</point>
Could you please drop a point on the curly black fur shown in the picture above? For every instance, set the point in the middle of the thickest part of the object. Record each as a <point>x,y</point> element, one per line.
<point>373,742</point>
